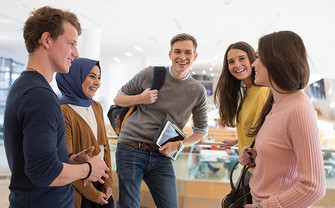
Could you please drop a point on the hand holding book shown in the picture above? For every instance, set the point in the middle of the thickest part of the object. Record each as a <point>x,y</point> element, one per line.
<point>170,149</point>
<point>166,136</point>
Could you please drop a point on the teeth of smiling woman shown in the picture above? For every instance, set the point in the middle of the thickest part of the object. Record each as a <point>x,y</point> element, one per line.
<point>240,69</point>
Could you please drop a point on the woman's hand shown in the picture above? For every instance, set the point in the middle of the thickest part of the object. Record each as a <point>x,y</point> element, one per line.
<point>247,156</point>
<point>102,199</point>
<point>250,206</point>
<point>228,143</point>
<point>108,191</point>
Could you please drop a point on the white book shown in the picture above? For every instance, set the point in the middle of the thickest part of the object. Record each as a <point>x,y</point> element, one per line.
<point>169,132</point>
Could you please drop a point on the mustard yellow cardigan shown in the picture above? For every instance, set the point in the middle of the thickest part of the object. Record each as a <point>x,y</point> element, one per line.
<point>79,136</point>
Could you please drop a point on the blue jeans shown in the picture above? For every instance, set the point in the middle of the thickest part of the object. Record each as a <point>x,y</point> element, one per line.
<point>155,169</point>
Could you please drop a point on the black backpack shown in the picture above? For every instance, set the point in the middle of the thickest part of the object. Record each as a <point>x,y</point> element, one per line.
<point>117,115</point>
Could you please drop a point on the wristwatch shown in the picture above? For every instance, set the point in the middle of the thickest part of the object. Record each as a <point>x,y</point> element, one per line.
<point>181,145</point>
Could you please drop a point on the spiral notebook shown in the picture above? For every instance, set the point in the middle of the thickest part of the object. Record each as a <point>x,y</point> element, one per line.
<point>169,132</point>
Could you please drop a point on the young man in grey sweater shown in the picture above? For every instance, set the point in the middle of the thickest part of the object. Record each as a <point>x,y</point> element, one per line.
<point>137,155</point>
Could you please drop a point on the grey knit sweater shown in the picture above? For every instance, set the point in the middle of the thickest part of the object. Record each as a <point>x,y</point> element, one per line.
<point>179,98</point>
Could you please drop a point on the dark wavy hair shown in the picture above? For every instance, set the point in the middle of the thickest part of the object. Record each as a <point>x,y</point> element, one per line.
<point>230,91</point>
<point>285,58</point>
<point>47,19</point>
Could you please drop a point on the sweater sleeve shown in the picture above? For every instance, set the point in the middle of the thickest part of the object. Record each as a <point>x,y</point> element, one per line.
<point>107,151</point>
<point>310,187</point>
<point>68,130</point>
<point>200,114</point>
<point>138,83</point>
<point>41,113</point>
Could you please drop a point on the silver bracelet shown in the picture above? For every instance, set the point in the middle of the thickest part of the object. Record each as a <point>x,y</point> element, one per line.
<point>257,205</point>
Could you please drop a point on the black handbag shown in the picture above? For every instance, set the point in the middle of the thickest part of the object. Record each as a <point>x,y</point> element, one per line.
<point>240,195</point>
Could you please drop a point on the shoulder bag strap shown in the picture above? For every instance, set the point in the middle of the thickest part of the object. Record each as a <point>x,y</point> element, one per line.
<point>158,78</point>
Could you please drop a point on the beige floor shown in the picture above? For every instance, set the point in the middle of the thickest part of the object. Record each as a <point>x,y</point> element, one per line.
<point>4,183</point>
<point>4,191</point>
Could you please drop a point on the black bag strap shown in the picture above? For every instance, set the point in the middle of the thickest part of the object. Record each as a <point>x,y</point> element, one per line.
<point>242,181</point>
<point>158,77</point>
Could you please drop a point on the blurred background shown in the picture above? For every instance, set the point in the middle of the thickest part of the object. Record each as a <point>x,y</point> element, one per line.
<point>128,35</point>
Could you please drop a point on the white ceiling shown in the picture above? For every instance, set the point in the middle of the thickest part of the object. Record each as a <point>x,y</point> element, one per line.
<point>150,24</point>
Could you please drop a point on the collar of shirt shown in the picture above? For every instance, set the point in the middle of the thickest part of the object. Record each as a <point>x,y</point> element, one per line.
<point>170,71</point>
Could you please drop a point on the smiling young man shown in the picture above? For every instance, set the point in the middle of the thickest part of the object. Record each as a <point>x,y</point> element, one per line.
<point>137,156</point>
<point>34,125</point>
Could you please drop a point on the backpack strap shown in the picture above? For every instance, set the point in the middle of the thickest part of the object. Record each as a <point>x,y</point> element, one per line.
<point>158,78</point>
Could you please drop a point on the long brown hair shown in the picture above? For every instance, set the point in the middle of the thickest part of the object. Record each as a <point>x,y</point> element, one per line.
<point>230,92</point>
<point>284,56</point>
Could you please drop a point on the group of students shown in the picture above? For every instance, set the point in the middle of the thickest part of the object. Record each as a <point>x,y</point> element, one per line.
<point>51,142</point>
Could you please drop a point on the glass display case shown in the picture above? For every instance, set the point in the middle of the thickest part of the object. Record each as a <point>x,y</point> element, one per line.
<point>199,185</point>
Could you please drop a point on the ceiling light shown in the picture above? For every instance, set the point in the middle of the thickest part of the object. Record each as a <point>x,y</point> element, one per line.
<point>213,64</point>
<point>116,60</point>
<point>211,69</point>
<point>191,68</point>
<point>212,74</point>
<point>153,39</point>
<point>138,48</point>
<point>203,72</point>
<point>128,54</point>
<point>193,72</point>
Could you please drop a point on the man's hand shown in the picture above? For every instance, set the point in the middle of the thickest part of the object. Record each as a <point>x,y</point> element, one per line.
<point>148,96</point>
<point>99,169</point>
<point>81,157</point>
<point>169,148</point>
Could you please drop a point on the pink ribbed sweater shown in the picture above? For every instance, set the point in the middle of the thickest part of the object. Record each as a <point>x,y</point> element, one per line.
<point>289,170</point>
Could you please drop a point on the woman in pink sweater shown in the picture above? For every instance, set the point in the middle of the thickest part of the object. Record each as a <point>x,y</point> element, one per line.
<point>288,163</point>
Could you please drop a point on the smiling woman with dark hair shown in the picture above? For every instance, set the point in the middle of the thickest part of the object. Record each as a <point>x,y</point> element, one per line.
<point>239,100</point>
<point>288,162</point>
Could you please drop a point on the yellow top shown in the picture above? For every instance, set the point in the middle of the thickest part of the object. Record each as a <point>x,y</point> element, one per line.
<point>251,109</point>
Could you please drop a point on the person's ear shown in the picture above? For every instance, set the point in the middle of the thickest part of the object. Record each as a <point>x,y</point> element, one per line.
<point>45,40</point>
<point>170,54</point>
<point>195,56</point>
